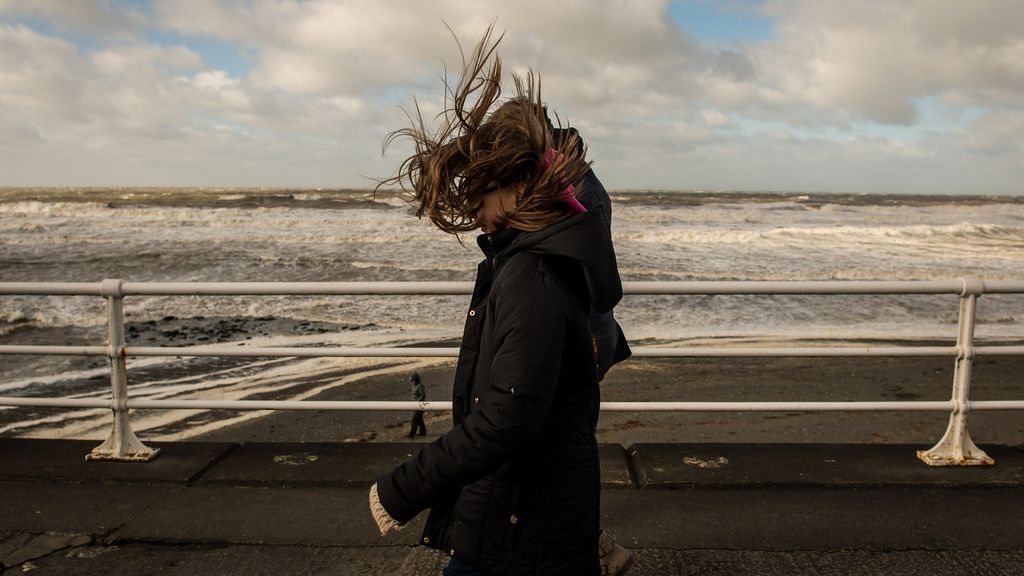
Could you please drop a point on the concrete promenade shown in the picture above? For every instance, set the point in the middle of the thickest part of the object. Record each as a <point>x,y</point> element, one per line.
<point>722,509</point>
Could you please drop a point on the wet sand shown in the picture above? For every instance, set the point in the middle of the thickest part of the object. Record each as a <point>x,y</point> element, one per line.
<point>747,379</point>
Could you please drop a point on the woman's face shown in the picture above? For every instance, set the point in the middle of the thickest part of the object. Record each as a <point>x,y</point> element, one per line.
<point>490,213</point>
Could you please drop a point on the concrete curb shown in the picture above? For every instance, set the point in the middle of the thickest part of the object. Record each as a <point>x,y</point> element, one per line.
<point>641,466</point>
<point>64,460</point>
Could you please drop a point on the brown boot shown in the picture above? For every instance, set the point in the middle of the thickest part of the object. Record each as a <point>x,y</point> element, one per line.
<point>615,559</point>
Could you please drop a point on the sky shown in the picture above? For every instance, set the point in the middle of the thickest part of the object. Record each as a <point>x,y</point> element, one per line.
<point>879,96</point>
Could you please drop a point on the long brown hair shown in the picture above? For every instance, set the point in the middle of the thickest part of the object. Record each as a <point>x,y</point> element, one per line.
<point>478,146</point>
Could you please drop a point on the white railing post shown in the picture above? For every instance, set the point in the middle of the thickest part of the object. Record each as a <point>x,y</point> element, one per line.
<point>956,447</point>
<point>122,443</point>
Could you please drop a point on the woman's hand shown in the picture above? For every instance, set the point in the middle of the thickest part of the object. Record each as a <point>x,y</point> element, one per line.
<point>385,523</point>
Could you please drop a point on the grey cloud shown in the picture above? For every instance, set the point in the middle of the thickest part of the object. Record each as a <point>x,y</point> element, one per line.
<point>999,134</point>
<point>976,23</point>
<point>735,66</point>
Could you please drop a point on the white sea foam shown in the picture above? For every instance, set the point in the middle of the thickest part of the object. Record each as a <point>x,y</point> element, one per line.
<point>87,242</point>
<point>941,234</point>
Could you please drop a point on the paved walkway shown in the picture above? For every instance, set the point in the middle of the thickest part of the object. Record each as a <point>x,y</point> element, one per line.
<point>222,508</point>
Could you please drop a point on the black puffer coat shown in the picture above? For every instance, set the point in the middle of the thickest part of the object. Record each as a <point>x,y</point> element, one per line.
<point>514,487</point>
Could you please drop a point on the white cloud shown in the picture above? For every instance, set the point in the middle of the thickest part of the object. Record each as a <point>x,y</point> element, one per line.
<point>219,91</point>
<point>129,62</point>
<point>658,108</point>
<point>323,47</point>
<point>716,119</point>
<point>849,60</point>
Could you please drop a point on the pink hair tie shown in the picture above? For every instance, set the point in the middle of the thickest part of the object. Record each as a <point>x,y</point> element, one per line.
<point>568,195</point>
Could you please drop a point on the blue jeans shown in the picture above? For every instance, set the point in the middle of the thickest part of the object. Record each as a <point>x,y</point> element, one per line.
<point>458,567</point>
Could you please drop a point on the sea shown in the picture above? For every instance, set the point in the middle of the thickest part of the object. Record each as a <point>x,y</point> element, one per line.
<point>267,235</point>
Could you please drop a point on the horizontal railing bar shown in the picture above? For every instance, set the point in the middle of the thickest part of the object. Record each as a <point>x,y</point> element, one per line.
<point>51,288</point>
<point>810,287</point>
<point>445,406</point>
<point>636,287</point>
<point>239,288</point>
<point>290,405</point>
<point>294,288</point>
<point>996,405</point>
<point>55,350</point>
<point>411,352</point>
<point>415,352</point>
<point>998,350</point>
<point>793,287</point>
<point>939,406</point>
<point>1004,286</point>
<point>693,287</point>
<point>943,405</point>
<point>291,352</point>
<point>793,352</point>
<point>56,402</point>
<point>639,352</point>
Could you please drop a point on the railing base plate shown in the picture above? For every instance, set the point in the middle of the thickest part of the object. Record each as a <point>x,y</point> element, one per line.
<point>109,455</point>
<point>964,453</point>
<point>122,446</point>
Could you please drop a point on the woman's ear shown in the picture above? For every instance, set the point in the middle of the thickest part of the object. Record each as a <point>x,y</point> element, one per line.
<point>520,190</point>
<point>512,196</point>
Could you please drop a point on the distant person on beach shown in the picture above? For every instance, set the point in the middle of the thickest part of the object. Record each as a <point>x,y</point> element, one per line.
<point>419,394</point>
<point>514,487</point>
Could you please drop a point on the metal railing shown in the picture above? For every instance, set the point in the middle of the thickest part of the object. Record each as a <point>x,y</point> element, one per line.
<point>955,448</point>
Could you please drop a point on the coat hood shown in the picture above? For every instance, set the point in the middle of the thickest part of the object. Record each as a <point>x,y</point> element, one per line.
<point>585,238</point>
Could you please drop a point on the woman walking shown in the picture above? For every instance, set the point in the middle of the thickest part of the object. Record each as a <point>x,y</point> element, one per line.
<point>514,486</point>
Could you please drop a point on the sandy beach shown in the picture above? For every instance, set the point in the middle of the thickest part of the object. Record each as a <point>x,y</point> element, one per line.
<point>779,379</point>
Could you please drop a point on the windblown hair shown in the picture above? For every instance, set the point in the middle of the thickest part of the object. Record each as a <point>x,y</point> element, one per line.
<point>480,145</point>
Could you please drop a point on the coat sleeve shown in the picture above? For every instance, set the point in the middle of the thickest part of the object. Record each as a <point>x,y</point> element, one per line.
<point>531,316</point>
